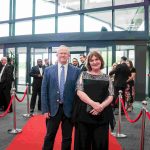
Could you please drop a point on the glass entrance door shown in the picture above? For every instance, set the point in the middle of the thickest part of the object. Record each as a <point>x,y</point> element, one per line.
<point>19,57</point>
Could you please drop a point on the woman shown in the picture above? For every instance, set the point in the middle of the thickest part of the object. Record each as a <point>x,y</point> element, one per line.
<point>95,92</point>
<point>130,91</point>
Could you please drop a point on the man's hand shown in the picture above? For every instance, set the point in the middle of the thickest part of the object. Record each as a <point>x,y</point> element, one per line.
<point>47,115</point>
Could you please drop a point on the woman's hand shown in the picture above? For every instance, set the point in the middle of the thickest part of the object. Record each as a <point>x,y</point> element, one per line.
<point>94,112</point>
<point>97,107</point>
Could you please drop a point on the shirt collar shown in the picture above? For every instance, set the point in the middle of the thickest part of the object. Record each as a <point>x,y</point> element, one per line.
<point>66,65</point>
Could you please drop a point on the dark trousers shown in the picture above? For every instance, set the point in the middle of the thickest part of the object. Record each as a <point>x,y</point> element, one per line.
<point>5,98</point>
<point>91,137</point>
<point>35,92</point>
<point>52,125</point>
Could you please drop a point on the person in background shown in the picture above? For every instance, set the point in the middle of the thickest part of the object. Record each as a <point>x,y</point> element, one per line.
<point>130,86</point>
<point>121,73</point>
<point>58,90</point>
<point>37,74</point>
<point>11,64</point>
<point>75,62</point>
<point>5,84</point>
<point>95,92</point>
<point>83,61</point>
<point>46,63</point>
<point>113,67</point>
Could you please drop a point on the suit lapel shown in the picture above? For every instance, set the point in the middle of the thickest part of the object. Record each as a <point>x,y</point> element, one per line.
<point>56,74</point>
<point>68,74</point>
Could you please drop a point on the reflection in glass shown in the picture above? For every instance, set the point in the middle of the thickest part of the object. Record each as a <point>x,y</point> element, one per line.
<point>98,21</point>
<point>4,9</point>
<point>44,7</point>
<point>23,28</point>
<point>23,8</point>
<point>97,3</point>
<point>68,5</point>
<point>122,2</point>
<point>45,26</point>
<point>4,29</point>
<point>69,23</point>
<point>129,19</point>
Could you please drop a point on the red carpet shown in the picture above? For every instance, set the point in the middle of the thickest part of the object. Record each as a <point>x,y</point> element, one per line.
<point>33,133</point>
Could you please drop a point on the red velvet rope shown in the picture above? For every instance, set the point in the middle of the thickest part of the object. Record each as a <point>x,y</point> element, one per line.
<point>148,115</point>
<point>117,100</point>
<point>6,112</point>
<point>126,114</point>
<point>25,93</point>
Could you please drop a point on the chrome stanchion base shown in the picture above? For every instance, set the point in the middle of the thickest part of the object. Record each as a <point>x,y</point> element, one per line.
<point>14,131</point>
<point>27,115</point>
<point>119,135</point>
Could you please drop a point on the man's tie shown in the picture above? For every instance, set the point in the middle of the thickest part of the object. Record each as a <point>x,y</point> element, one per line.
<point>62,83</point>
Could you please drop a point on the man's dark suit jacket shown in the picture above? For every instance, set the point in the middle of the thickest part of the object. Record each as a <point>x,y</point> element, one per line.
<point>37,81</point>
<point>50,90</point>
<point>122,74</point>
<point>6,78</point>
<point>83,67</point>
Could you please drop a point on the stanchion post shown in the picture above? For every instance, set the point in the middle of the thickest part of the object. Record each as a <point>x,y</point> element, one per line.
<point>14,130</point>
<point>28,115</point>
<point>118,133</point>
<point>144,103</point>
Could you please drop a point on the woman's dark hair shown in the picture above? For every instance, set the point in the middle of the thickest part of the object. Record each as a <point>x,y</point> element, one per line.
<point>97,55</point>
<point>131,64</point>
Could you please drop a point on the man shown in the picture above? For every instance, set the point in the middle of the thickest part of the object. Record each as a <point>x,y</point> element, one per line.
<point>75,62</point>
<point>122,73</point>
<point>58,90</point>
<point>82,66</point>
<point>37,74</point>
<point>5,84</point>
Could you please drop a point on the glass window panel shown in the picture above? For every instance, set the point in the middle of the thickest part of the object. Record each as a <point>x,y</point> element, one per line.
<point>1,53</point>
<point>149,20</point>
<point>122,2</point>
<point>38,53</point>
<point>45,25</point>
<point>54,58</point>
<point>4,9</point>
<point>125,50</point>
<point>4,29</point>
<point>10,52</point>
<point>129,19</point>
<point>23,28</point>
<point>23,8</point>
<point>98,21</point>
<point>44,7</point>
<point>22,65</point>
<point>68,5</point>
<point>97,3</point>
<point>69,23</point>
